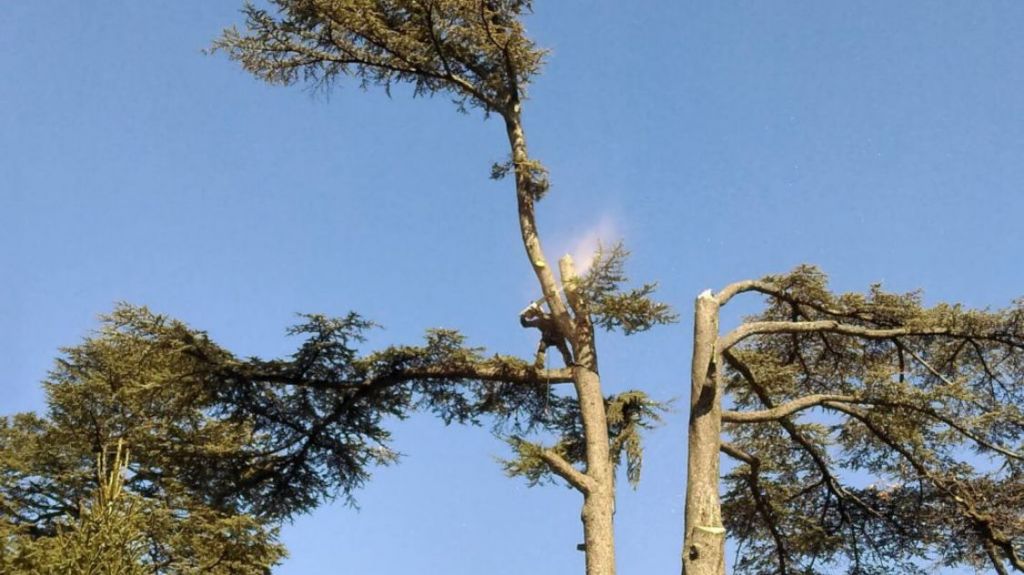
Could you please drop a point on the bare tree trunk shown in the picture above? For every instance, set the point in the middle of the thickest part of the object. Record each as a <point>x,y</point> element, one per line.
<point>598,532</point>
<point>704,535</point>
<point>599,503</point>
<point>599,500</point>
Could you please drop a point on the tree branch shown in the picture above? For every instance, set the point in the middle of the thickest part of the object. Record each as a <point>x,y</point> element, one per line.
<point>450,74</point>
<point>562,468</point>
<point>831,326</point>
<point>733,451</point>
<point>981,521</point>
<point>833,486</point>
<point>732,290</point>
<point>528,225</point>
<point>761,500</point>
<point>785,409</point>
<point>819,399</point>
<point>773,290</point>
<point>478,372</point>
<point>993,556</point>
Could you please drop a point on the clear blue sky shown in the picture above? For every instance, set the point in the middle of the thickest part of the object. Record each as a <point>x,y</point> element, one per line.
<point>883,141</point>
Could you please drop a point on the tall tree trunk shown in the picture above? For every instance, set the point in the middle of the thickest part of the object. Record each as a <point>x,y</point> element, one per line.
<point>598,532</point>
<point>599,498</point>
<point>704,535</point>
<point>599,503</point>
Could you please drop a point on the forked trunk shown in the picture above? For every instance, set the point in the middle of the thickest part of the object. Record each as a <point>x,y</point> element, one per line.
<point>704,535</point>
<point>599,496</point>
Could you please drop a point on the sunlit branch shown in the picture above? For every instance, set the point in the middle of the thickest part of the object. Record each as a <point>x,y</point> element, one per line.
<point>786,409</point>
<point>993,557</point>
<point>733,451</point>
<point>562,468</point>
<point>815,400</point>
<point>773,290</point>
<point>830,326</point>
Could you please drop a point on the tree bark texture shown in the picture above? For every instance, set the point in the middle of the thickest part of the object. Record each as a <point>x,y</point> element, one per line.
<point>599,503</point>
<point>704,535</point>
<point>528,223</point>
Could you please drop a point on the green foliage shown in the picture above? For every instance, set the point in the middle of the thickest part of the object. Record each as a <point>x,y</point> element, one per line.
<point>219,456</point>
<point>631,311</point>
<point>440,377</point>
<point>475,52</point>
<point>529,463</point>
<point>629,414</point>
<point>225,447</point>
<point>108,537</point>
<point>268,437</point>
<point>105,537</point>
<point>535,173</point>
<point>933,413</point>
<point>120,532</point>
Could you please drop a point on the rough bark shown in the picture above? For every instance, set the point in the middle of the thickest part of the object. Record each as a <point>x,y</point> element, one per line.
<point>704,535</point>
<point>598,532</point>
<point>599,503</point>
<point>528,224</point>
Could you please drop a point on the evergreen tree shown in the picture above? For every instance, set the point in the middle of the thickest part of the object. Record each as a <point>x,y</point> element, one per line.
<point>823,389</point>
<point>477,53</point>
<point>119,532</point>
<point>167,513</point>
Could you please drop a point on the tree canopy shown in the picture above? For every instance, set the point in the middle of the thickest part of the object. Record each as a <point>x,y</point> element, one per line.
<point>224,448</point>
<point>872,432</point>
<point>113,531</point>
<point>476,52</point>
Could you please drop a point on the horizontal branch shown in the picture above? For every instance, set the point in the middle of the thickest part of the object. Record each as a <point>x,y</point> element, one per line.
<point>776,413</point>
<point>525,374</point>
<point>784,410</point>
<point>829,326</point>
<point>821,399</point>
